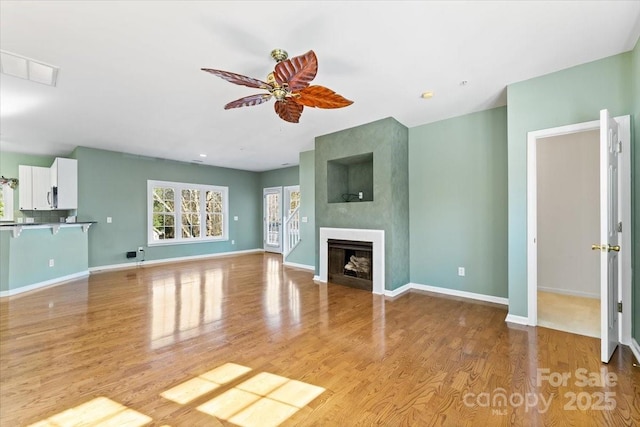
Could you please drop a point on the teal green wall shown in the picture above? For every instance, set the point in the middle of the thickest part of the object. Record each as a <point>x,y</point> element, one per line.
<point>279,178</point>
<point>569,96</point>
<point>305,252</point>
<point>458,203</point>
<point>115,184</point>
<point>635,169</point>
<point>387,139</point>
<point>29,254</point>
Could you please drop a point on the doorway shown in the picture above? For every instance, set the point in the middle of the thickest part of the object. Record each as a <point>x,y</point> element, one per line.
<point>623,184</point>
<point>568,221</point>
<point>272,222</point>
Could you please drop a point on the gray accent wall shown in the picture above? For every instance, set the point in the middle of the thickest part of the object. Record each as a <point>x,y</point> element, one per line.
<point>458,203</point>
<point>387,139</point>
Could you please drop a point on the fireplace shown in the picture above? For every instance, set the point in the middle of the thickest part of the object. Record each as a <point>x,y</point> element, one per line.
<point>374,237</point>
<point>350,263</point>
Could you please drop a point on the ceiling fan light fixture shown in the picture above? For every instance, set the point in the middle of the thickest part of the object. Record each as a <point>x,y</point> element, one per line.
<point>289,84</point>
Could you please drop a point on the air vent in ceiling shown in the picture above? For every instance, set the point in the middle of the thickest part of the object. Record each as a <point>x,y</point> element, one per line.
<point>27,68</point>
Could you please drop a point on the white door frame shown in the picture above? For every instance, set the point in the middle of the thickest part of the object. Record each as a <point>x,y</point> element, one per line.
<point>265,191</point>
<point>624,290</point>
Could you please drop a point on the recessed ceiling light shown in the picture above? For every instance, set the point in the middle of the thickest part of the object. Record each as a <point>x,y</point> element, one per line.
<point>427,95</point>
<point>27,68</point>
<point>203,155</point>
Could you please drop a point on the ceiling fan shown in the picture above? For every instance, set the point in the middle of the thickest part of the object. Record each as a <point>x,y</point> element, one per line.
<point>288,84</point>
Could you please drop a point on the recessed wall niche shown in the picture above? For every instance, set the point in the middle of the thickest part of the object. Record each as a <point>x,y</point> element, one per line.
<point>350,179</point>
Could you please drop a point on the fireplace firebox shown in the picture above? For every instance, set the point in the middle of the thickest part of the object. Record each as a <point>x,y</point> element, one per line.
<point>350,263</point>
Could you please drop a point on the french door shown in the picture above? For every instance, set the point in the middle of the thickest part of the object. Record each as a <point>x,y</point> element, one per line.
<point>272,199</point>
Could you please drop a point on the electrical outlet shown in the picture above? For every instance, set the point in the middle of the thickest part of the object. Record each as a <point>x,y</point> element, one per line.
<point>108,220</point>
<point>460,271</point>
<point>140,249</point>
<point>233,242</point>
<point>360,195</point>
<point>51,262</point>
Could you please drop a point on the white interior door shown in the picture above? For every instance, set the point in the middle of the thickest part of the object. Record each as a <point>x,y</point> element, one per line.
<point>608,246</point>
<point>273,219</point>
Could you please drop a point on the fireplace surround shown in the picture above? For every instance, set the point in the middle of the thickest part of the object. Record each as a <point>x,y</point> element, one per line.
<point>376,237</point>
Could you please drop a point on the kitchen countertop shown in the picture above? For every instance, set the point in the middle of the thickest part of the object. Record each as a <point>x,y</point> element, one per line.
<point>18,227</point>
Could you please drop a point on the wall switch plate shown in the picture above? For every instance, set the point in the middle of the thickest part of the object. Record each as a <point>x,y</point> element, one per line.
<point>305,219</point>
<point>460,271</point>
<point>108,220</point>
<point>235,218</point>
<point>51,262</point>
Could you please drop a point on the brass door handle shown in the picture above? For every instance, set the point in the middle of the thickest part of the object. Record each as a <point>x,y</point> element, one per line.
<point>605,248</point>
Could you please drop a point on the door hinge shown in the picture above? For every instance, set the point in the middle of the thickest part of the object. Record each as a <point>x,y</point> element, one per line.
<point>620,227</point>
<point>620,307</point>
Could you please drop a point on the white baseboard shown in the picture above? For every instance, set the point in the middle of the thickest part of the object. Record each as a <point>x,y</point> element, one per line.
<point>446,291</point>
<point>402,289</point>
<point>170,260</point>
<point>635,348</point>
<point>519,320</point>
<point>46,284</point>
<point>296,265</point>
<point>568,292</point>
<point>317,279</point>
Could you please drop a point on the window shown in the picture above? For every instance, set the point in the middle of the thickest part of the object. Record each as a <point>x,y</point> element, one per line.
<point>6,202</point>
<point>186,213</point>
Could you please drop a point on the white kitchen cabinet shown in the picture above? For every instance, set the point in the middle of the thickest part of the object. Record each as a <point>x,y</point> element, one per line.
<point>25,188</point>
<point>41,188</point>
<point>64,184</point>
<point>34,188</point>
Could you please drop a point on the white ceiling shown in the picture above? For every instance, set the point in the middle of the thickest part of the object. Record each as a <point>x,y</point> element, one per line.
<point>130,76</point>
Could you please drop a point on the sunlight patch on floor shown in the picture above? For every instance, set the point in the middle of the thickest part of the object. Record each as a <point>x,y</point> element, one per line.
<point>205,383</point>
<point>263,400</point>
<point>100,411</point>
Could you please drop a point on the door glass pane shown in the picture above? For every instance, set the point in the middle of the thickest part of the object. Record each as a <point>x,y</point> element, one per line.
<point>273,219</point>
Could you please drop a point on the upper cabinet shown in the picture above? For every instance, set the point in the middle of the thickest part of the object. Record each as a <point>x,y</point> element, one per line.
<point>64,184</point>
<point>49,188</point>
<point>34,190</point>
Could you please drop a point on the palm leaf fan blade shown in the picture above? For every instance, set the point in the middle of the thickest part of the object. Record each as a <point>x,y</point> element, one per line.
<point>239,79</point>
<point>249,101</point>
<point>298,71</point>
<point>320,97</point>
<point>289,111</point>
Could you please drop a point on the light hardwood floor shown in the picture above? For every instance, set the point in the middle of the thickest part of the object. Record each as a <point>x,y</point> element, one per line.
<point>245,341</point>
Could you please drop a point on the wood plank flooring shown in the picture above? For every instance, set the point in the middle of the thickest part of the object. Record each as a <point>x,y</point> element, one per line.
<point>245,341</point>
